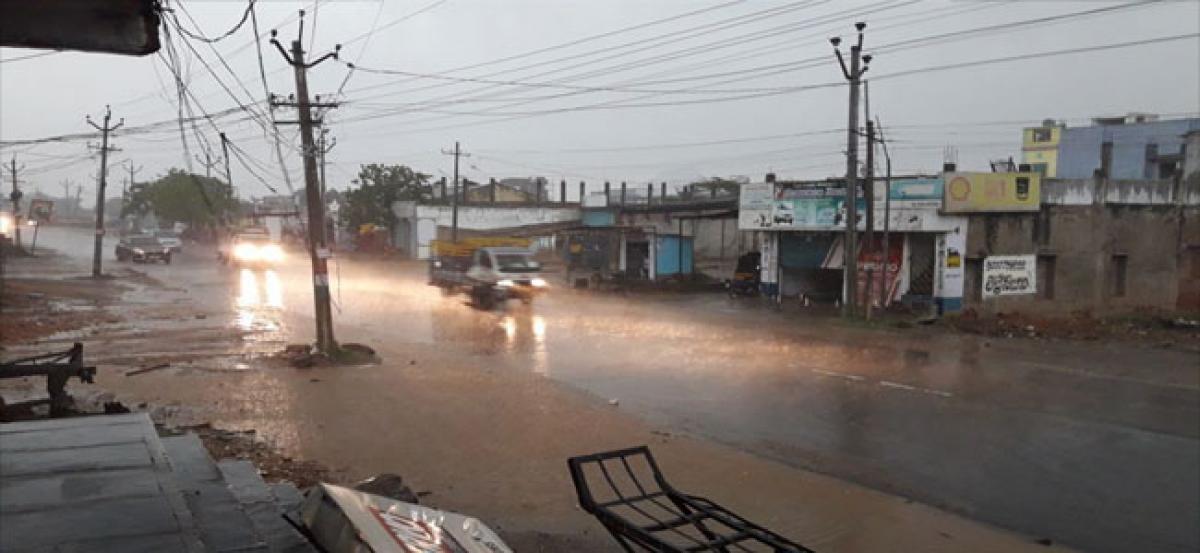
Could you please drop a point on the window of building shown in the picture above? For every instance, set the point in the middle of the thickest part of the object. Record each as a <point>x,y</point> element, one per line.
<point>1039,168</point>
<point>1120,267</point>
<point>1041,135</point>
<point>1045,275</point>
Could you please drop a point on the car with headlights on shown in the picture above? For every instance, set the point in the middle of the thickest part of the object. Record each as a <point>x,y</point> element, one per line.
<point>250,248</point>
<point>142,248</point>
<point>170,239</point>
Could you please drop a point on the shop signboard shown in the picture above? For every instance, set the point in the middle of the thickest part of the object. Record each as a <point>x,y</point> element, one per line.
<point>1009,275</point>
<point>992,192</point>
<point>754,206</point>
<point>910,193</point>
<point>813,206</point>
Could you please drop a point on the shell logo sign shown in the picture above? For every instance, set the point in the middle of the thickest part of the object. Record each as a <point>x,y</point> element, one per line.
<point>992,192</point>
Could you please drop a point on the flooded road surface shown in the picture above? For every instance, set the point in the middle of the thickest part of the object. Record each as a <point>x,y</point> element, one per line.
<point>1094,445</point>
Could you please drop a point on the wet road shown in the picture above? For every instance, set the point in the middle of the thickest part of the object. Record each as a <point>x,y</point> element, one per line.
<point>1093,445</point>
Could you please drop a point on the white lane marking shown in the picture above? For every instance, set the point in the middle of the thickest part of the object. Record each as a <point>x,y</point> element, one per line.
<point>847,376</point>
<point>900,386</point>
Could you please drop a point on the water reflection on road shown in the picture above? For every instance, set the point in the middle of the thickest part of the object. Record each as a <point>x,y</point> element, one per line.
<point>258,303</point>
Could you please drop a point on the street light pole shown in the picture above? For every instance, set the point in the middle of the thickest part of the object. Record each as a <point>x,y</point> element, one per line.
<point>853,74</point>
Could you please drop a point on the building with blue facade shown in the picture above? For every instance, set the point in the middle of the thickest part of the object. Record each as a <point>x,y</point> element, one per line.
<point>1131,147</point>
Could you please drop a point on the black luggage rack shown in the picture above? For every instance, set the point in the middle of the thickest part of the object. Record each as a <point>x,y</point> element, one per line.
<point>650,515</point>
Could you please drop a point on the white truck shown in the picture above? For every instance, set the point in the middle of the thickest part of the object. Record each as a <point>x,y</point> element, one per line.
<point>490,270</point>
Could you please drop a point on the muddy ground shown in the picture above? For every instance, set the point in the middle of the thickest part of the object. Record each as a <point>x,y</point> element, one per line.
<point>491,443</point>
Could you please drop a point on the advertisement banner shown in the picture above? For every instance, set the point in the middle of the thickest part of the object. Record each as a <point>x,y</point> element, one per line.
<point>41,210</point>
<point>813,206</point>
<point>754,206</point>
<point>1009,275</point>
<point>883,277</point>
<point>948,268</point>
<point>986,192</point>
<point>918,193</point>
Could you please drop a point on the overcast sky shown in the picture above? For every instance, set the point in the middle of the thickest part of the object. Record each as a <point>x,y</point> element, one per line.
<point>702,88</point>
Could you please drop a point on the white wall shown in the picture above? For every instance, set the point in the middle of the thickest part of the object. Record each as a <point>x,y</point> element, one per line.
<point>425,219</point>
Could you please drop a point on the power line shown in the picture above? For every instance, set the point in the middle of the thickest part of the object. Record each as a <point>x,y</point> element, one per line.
<point>775,69</point>
<point>200,36</point>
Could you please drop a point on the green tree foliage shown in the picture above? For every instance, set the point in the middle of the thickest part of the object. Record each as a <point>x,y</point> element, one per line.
<point>378,187</point>
<point>180,196</point>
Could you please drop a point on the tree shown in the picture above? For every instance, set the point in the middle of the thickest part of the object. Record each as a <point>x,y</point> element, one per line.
<point>379,186</point>
<point>179,196</point>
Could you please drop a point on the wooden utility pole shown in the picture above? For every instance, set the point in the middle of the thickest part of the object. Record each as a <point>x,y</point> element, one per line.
<point>318,250</point>
<point>102,183</point>
<point>457,153</point>
<point>853,74</point>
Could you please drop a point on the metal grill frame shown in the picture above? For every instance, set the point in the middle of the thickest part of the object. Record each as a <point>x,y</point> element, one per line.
<point>719,529</point>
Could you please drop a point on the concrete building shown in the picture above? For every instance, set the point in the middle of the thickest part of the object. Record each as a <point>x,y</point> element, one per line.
<point>991,242</point>
<point>1136,146</point>
<point>1093,245</point>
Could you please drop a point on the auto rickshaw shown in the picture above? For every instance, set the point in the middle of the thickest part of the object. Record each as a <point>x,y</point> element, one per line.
<point>745,276</point>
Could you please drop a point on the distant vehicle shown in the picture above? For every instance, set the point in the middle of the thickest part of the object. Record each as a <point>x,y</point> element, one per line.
<point>250,247</point>
<point>170,239</point>
<point>746,276</point>
<point>142,248</point>
<point>490,270</point>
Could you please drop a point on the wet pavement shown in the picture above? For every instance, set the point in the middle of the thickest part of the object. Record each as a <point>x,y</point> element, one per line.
<point>1094,445</point>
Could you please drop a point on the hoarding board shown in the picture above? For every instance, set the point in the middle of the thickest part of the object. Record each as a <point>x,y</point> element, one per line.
<point>999,192</point>
<point>910,193</point>
<point>40,210</point>
<point>1009,275</point>
<point>882,269</point>
<point>813,206</point>
<point>754,206</point>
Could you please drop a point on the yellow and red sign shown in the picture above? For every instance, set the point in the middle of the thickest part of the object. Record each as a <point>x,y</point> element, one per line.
<point>982,192</point>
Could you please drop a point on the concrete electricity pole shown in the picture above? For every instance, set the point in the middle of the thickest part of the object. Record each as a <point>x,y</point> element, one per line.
<point>103,181</point>
<point>208,162</point>
<point>318,250</point>
<point>457,153</point>
<point>887,213</point>
<point>853,74</point>
<point>228,173</point>
<point>15,197</point>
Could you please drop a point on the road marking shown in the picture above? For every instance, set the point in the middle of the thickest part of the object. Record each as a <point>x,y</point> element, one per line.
<point>847,376</point>
<point>911,388</point>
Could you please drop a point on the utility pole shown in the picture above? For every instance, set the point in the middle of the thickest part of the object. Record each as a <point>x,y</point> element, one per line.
<point>853,74</point>
<point>324,146</point>
<point>318,250</point>
<point>887,217</point>
<point>15,197</point>
<point>103,181</point>
<point>225,154</point>
<point>208,162</point>
<point>457,153</point>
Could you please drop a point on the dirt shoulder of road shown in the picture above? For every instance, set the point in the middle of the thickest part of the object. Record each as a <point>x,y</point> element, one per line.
<point>492,443</point>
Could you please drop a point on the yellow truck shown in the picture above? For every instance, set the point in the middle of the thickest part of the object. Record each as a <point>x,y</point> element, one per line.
<point>489,269</point>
